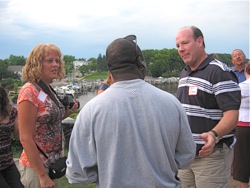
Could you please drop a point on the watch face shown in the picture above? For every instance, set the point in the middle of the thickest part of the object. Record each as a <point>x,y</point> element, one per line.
<point>217,139</point>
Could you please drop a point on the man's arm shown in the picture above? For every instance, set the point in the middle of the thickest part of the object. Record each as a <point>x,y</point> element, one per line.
<point>81,162</point>
<point>227,123</point>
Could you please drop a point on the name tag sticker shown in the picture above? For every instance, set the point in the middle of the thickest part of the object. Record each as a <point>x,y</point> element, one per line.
<point>193,90</point>
<point>42,96</point>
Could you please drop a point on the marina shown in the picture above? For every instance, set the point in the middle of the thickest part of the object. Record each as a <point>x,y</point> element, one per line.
<point>83,91</point>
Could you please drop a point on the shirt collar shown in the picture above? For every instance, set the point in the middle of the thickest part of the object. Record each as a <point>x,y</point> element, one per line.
<point>202,65</point>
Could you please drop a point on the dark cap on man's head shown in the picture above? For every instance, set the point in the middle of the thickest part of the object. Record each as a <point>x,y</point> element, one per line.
<point>124,59</point>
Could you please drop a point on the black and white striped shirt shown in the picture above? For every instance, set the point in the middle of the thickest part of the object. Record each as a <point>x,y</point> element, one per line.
<point>206,93</point>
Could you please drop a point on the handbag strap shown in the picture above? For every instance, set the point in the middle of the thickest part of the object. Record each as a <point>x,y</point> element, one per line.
<point>41,151</point>
<point>48,91</point>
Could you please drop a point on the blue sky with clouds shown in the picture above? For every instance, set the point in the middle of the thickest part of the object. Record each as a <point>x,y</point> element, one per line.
<point>85,28</point>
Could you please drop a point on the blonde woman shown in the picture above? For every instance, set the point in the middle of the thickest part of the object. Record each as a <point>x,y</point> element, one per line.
<point>40,117</point>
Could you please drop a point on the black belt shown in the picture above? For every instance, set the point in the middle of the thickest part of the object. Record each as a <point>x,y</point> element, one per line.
<point>228,141</point>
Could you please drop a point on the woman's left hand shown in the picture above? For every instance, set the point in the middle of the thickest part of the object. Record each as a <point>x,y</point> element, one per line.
<point>73,109</point>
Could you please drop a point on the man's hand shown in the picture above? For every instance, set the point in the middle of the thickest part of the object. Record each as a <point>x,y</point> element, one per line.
<point>208,147</point>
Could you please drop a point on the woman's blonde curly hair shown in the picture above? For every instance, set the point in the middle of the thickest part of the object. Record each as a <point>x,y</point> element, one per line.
<point>32,71</point>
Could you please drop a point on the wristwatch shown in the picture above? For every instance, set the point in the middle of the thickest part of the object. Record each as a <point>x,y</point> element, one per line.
<point>217,138</point>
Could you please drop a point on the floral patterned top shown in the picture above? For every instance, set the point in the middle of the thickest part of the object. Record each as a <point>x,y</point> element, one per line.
<point>48,134</point>
<point>6,130</point>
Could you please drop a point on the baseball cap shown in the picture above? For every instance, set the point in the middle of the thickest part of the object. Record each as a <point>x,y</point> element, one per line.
<point>125,59</point>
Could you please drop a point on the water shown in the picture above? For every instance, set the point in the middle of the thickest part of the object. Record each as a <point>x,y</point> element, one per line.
<point>84,98</point>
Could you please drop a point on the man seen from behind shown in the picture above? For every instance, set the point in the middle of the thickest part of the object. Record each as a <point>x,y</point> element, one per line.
<point>133,134</point>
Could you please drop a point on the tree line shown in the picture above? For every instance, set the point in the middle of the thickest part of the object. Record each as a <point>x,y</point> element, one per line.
<point>164,62</point>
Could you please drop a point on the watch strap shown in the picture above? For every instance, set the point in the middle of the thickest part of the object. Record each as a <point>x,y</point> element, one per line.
<point>217,139</point>
<point>215,133</point>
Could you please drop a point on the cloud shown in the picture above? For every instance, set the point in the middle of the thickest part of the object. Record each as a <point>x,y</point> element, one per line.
<point>84,28</point>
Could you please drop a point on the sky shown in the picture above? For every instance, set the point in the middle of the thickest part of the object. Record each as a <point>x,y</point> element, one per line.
<point>84,29</point>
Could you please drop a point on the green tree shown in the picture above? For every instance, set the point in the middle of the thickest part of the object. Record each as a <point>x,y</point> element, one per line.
<point>165,62</point>
<point>101,63</point>
<point>69,67</point>
<point>16,60</point>
<point>92,66</point>
<point>155,69</point>
<point>3,69</point>
<point>226,58</point>
<point>4,73</point>
<point>92,60</point>
<point>84,69</point>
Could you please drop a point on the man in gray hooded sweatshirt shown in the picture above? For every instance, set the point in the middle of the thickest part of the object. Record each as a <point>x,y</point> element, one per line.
<point>133,134</point>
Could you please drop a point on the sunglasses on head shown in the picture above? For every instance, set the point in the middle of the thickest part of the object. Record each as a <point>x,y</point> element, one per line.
<point>132,38</point>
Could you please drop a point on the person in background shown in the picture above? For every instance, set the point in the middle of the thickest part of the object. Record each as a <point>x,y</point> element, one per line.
<point>210,94</point>
<point>239,60</point>
<point>40,117</point>
<point>104,85</point>
<point>135,135</point>
<point>9,174</point>
<point>241,162</point>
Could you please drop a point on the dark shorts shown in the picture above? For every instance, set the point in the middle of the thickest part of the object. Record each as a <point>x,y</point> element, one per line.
<point>241,162</point>
<point>10,177</point>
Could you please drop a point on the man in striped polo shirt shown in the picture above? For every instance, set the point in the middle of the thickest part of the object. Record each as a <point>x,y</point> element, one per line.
<point>210,94</point>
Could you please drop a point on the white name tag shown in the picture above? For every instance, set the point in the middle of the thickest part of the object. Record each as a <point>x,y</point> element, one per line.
<point>42,96</point>
<point>193,90</point>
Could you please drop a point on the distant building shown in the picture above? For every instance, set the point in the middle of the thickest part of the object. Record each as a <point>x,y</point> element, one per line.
<point>78,64</point>
<point>17,69</point>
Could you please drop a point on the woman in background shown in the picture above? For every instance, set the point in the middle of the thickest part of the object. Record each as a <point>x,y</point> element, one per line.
<point>104,85</point>
<point>241,162</point>
<point>9,174</point>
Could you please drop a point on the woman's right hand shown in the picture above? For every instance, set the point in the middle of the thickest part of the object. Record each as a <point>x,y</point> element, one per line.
<point>46,182</point>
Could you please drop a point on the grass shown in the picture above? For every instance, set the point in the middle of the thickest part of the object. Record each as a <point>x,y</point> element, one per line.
<point>96,76</point>
<point>63,182</point>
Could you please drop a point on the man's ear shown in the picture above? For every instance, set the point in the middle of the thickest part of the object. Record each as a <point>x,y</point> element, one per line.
<point>141,66</point>
<point>111,78</point>
<point>140,63</point>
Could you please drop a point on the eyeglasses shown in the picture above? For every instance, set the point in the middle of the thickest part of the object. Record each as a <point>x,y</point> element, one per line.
<point>236,55</point>
<point>132,38</point>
